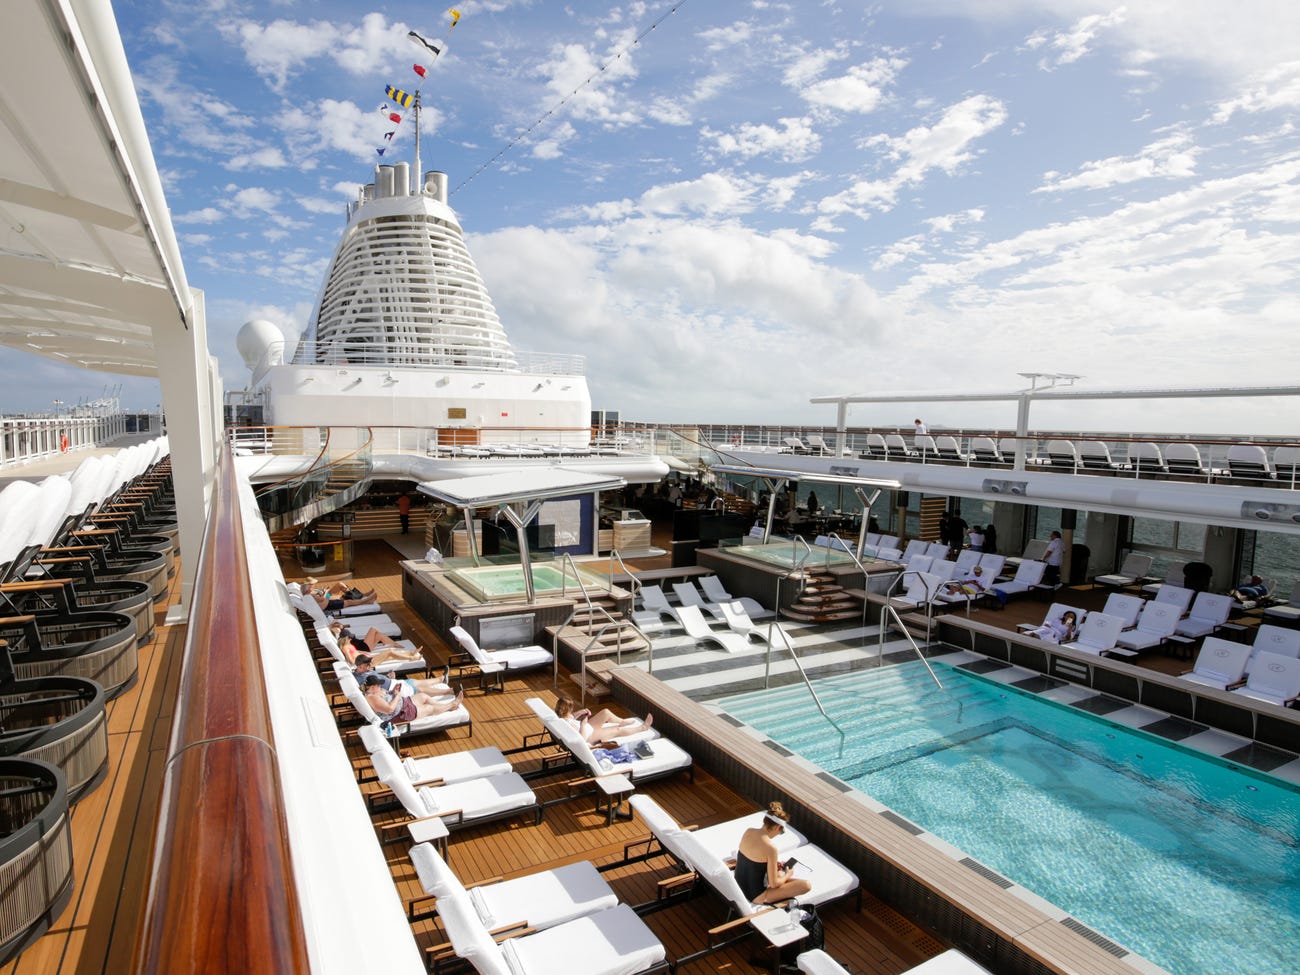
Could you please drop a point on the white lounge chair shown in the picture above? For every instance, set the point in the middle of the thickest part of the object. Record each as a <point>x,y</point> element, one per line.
<point>1028,575</point>
<point>697,629</point>
<point>440,769</point>
<point>1209,612</point>
<point>319,618</point>
<point>1249,460</point>
<point>330,642</point>
<point>1185,459</point>
<point>1055,613</point>
<point>1273,678</point>
<point>937,551</point>
<point>1156,625</point>
<point>1276,639</point>
<point>717,593</point>
<point>738,620</point>
<point>360,609</point>
<point>922,588</point>
<point>1288,611</point>
<point>610,942</point>
<point>918,563</point>
<point>655,601</point>
<point>536,900</point>
<point>1136,565</point>
<point>721,839</point>
<point>829,878</point>
<point>455,718</point>
<point>993,564</point>
<point>915,548</point>
<point>967,559</point>
<point>464,803</point>
<point>1220,664</point>
<point>667,757</point>
<point>949,451</point>
<point>1145,459</point>
<point>818,443</point>
<point>1175,596</point>
<point>495,663</point>
<point>950,962</point>
<point>1126,607</point>
<point>1173,577</point>
<point>688,595</point>
<point>1097,636</point>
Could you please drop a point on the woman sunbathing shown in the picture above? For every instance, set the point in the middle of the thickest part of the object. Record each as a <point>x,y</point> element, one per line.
<point>380,648</point>
<point>762,877</point>
<point>601,726</point>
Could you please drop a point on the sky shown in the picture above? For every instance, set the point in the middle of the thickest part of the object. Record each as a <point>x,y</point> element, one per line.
<point>758,202</point>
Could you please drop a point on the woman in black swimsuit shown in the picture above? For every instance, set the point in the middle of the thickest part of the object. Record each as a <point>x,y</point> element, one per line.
<point>759,872</point>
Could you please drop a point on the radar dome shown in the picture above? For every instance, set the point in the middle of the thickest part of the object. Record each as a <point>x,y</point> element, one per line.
<point>255,338</point>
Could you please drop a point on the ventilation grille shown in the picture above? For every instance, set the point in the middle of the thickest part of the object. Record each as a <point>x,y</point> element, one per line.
<point>986,873</point>
<point>898,820</point>
<point>1105,944</point>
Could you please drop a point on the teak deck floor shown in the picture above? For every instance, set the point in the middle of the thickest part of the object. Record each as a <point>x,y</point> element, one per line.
<point>113,827</point>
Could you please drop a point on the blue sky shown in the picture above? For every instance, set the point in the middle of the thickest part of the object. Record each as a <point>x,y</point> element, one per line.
<point>761,202</point>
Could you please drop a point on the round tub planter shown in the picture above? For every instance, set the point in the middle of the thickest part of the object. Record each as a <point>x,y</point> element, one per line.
<point>96,646</point>
<point>35,852</point>
<point>59,720</point>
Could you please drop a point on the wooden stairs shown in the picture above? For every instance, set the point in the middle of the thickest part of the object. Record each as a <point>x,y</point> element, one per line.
<point>823,600</point>
<point>619,636</point>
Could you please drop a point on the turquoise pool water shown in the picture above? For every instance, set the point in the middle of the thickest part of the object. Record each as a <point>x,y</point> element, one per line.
<point>1190,862</point>
<point>785,554</point>
<point>489,582</point>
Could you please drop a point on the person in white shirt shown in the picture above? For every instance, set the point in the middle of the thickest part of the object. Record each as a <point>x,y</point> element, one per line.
<point>921,429</point>
<point>1054,556</point>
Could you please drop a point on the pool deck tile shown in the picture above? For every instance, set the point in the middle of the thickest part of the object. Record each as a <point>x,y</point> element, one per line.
<point>1003,674</point>
<point>1290,772</point>
<point>987,667</point>
<point>1068,694</point>
<point>865,800</point>
<point>1038,684</point>
<point>1174,728</point>
<point>1100,704</point>
<point>1212,741</point>
<point>1135,716</point>
<point>1260,757</point>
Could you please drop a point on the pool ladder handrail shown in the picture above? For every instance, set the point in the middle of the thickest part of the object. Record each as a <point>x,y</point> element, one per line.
<point>796,565</point>
<point>898,622</point>
<point>592,610</point>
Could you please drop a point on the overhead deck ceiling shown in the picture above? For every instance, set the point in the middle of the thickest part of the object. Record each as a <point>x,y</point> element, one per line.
<point>89,263</point>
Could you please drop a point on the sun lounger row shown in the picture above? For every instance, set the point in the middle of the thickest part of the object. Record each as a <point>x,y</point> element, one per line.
<point>1128,624</point>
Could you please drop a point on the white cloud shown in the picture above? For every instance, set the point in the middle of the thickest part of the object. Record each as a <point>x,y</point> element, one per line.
<point>574,73</point>
<point>808,66</point>
<point>279,49</point>
<point>1173,157</point>
<point>792,139</point>
<point>1278,89</point>
<point>1068,46</point>
<point>713,194</point>
<point>206,215</point>
<point>861,89</point>
<point>268,157</point>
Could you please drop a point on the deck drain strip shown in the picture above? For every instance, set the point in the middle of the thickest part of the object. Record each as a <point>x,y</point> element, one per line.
<point>898,820</point>
<point>986,873</point>
<point>1105,944</point>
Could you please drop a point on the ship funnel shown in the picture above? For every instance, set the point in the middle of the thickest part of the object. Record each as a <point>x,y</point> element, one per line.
<point>435,184</point>
<point>367,192</point>
<point>402,179</point>
<point>383,182</point>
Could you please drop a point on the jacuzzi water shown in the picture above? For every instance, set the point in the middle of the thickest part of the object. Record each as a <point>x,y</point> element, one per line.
<point>786,554</point>
<point>1191,862</point>
<point>489,582</point>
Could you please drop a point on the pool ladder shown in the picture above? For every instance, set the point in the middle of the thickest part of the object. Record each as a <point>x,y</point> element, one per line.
<point>593,612</point>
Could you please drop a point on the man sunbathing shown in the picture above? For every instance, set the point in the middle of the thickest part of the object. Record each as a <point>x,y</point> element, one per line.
<point>397,707</point>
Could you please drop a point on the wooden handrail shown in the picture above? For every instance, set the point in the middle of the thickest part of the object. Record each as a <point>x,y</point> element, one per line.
<point>222,896</point>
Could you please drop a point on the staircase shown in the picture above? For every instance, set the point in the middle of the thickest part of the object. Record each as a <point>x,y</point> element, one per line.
<point>618,639</point>
<point>823,600</point>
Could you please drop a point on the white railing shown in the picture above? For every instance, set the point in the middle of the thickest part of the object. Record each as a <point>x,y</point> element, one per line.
<point>415,354</point>
<point>24,439</point>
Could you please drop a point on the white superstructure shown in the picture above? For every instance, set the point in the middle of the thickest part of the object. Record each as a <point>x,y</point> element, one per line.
<point>404,334</point>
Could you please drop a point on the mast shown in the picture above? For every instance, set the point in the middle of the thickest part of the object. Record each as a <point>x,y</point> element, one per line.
<point>419,173</point>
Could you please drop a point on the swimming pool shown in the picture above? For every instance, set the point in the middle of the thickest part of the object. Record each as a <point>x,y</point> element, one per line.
<point>1191,862</point>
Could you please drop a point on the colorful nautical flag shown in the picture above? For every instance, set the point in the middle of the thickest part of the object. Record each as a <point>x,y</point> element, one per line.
<point>421,70</point>
<point>433,47</point>
<point>388,136</point>
<point>455,18</point>
<point>395,118</point>
<point>405,99</point>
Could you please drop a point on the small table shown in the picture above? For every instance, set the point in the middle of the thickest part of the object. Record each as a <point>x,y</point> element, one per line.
<point>779,930</point>
<point>431,830</point>
<point>1235,631</point>
<point>610,790</point>
<point>1181,646</point>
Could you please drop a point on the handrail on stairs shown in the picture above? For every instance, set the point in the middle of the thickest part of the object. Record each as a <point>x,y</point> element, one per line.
<point>834,537</point>
<point>898,621</point>
<point>593,609</point>
<point>795,566</point>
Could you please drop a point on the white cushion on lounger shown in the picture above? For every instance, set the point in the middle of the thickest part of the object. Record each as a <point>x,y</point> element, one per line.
<point>544,899</point>
<point>476,798</point>
<point>1219,663</point>
<point>613,942</point>
<point>331,643</point>
<point>358,624</point>
<point>469,936</point>
<point>454,767</point>
<point>1273,678</point>
<point>721,839</point>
